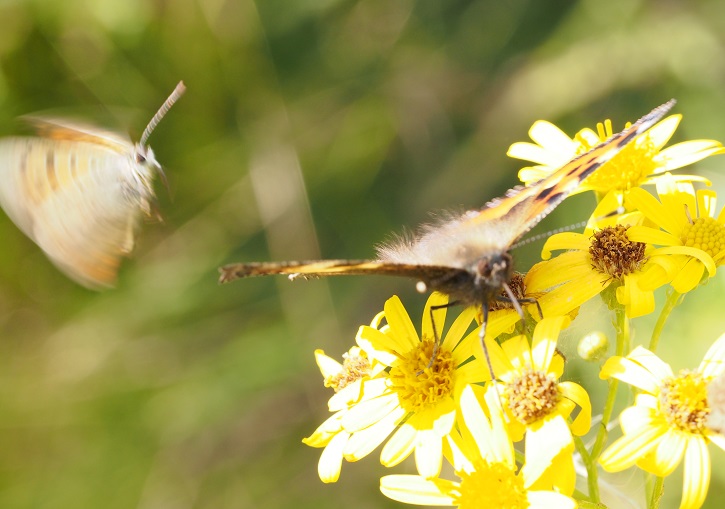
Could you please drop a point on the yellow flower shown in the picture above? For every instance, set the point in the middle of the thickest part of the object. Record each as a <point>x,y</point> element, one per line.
<point>640,162</point>
<point>668,421</point>
<point>539,405</point>
<point>595,260</point>
<point>413,399</point>
<point>687,226</point>
<point>347,380</point>
<point>483,458</point>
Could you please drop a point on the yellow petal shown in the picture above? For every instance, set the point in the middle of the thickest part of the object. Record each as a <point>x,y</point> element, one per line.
<point>629,372</point>
<point>564,241</point>
<point>655,211</point>
<point>363,442</point>
<point>413,489</point>
<point>330,464</point>
<point>459,327</point>
<point>652,236</point>
<point>518,352</point>
<point>368,412</point>
<point>428,454</point>
<point>686,153</point>
<point>400,445</point>
<point>401,326</point>
<point>378,345</point>
<point>696,474</point>
<point>543,345</point>
<point>689,276</point>
<point>550,500</point>
<point>578,395</point>
<point>625,451</point>
<point>435,300</point>
<point>542,445</point>
<point>492,441</point>
<point>661,132</point>
<point>664,458</point>
<point>714,361</point>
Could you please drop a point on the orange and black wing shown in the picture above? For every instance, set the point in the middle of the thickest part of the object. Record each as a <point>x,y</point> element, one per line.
<point>524,207</point>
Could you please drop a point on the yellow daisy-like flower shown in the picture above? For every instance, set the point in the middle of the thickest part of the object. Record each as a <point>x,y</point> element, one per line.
<point>483,458</point>
<point>668,421</point>
<point>539,405</point>
<point>640,162</point>
<point>347,380</point>
<point>413,399</point>
<point>689,230</point>
<point>597,259</point>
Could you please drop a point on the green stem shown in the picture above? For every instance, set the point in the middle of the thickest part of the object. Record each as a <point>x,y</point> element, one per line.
<point>591,466</point>
<point>673,299</point>
<point>623,341</point>
<point>657,491</point>
<point>584,504</point>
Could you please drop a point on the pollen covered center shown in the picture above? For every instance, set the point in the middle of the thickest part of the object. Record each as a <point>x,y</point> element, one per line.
<point>532,396</point>
<point>628,169</point>
<point>491,485</point>
<point>420,386</point>
<point>705,233</point>
<point>684,402</point>
<point>354,367</point>
<point>613,254</point>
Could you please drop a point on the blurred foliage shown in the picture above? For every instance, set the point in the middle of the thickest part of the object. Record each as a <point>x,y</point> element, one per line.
<point>310,128</point>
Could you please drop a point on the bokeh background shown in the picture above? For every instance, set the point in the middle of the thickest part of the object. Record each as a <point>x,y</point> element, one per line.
<point>310,128</point>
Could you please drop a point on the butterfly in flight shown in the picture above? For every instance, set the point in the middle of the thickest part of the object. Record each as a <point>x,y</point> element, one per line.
<point>467,257</point>
<point>79,192</point>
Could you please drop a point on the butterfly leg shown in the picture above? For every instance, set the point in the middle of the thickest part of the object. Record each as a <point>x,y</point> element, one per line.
<point>436,336</point>
<point>481,335</point>
<point>516,302</point>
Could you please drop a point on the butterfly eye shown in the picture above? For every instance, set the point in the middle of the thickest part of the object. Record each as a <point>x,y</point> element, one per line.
<point>140,158</point>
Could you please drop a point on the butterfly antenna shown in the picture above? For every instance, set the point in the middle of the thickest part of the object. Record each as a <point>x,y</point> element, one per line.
<point>168,103</point>
<point>546,235</point>
<point>575,226</point>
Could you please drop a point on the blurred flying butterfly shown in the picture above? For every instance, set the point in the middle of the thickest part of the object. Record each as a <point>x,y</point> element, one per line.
<point>467,257</point>
<point>79,192</point>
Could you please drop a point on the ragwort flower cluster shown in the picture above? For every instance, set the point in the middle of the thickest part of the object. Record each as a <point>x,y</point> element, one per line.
<point>522,436</point>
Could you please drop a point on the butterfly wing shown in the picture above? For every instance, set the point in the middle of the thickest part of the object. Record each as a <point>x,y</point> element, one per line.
<point>524,207</point>
<point>333,268</point>
<point>463,241</point>
<point>64,129</point>
<point>77,200</point>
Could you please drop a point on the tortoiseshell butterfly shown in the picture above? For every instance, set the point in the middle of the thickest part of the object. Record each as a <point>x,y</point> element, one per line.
<point>79,192</point>
<point>467,257</point>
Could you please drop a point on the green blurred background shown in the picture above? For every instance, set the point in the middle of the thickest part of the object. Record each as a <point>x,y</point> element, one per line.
<point>309,128</point>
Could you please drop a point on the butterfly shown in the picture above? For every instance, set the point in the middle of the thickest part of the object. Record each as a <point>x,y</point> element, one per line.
<point>467,257</point>
<point>79,192</point>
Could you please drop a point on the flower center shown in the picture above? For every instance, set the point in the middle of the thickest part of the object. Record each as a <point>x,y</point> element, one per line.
<point>705,233</point>
<point>354,367</point>
<point>684,402</point>
<point>532,396</point>
<point>613,254</point>
<point>629,168</point>
<point>491,485</point>
<point>517,287</point>
<point>419,386</point>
